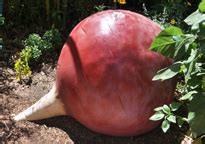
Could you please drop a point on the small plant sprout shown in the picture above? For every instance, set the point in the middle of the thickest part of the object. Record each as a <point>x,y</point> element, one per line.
<point>166,113</point>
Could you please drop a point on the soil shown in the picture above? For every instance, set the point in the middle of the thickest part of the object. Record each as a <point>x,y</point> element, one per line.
<point>15,97</point>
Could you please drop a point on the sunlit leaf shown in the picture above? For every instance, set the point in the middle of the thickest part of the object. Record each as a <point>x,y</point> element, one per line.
<point>188,96</point>
<point>166,109</point>
<point>165,125</point>
<point>164,43</point>
<point>168,72</point>
<point>193,55</point>
<point>171,118</point>
<point>194,19</point>
<point>157,116</point>
<point>182,46</point>
<point>175,106</point>
<point>158,108</point>
<point>202,6</point>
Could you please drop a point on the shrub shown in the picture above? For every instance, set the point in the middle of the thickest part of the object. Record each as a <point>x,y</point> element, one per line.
<point>35,47</point>
<point>188,51</point>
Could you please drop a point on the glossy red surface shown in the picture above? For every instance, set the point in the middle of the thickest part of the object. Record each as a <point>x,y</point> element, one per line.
<point>105,71</point>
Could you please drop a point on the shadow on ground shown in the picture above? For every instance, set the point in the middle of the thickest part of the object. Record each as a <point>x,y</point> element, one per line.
<point>81,135</point>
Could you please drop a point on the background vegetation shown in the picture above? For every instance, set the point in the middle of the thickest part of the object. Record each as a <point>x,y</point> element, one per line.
<point>187,48</point>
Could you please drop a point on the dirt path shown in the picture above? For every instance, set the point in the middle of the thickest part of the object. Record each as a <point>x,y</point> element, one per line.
<point>15,97</point>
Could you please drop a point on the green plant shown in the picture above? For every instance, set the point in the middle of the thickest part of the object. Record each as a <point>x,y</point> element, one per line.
<point>188,51</point>
<point>100,7</point>
<point>167,12</point>
<point>166,112</point>
<point>22,64</point>
<point>53,37</point>
<point>35,47</point>
<point>36,44</point>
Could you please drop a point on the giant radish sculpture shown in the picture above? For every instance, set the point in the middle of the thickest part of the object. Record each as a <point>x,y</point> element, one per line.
<point>104,76</point>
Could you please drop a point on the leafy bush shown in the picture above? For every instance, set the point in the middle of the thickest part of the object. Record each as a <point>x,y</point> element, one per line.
<point>188,51</point>
<point>35,47</point>
<point>167,12</point>
<point>36,44</point>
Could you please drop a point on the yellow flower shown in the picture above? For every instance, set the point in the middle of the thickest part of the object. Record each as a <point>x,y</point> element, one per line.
<point>114,0</point>
<point>122,1</point>
<point>173,21</point>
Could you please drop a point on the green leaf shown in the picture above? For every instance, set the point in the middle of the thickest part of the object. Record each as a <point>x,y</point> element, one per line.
<point>194,82</point>
<point>191,116</point>
<point>168,72</point>
<point>175,106</point>
<point>188,96</point>
<point>193,55</point>
<point>195,19</point>
<point>198,69</point>
<point>180,122</point>
<point>157,116</point>
<point>182,46</point>
<point>196,115</point>
<point>203,83</point>
<point>202,6</point>
<point>166,109</point>
<point>165,125</point>
<point>172,43</point>
<point>202,47</point>
<point>158,108</point>
<point>191,65</point>
<point>201,32</point>
<point>171,118</point>
<point>165,41</point>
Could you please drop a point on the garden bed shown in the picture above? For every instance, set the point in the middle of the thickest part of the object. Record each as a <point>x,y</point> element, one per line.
<point>15,97</point>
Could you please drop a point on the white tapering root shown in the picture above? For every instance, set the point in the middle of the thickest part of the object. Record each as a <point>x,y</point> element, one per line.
<point>48,106</point>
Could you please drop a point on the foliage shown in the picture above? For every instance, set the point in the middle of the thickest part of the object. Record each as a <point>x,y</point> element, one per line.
<point>2,19</point>
<point>38,15</point>
<point>202,6</point>
<point>36,44</point>
<point>167,113</point>
<point>168,12</point>
<point>188,51</point>
<point>100,7</point>
<point>35,47</point>
<point>44,13</point>
<point>22,64</point>
<point>197,114</point>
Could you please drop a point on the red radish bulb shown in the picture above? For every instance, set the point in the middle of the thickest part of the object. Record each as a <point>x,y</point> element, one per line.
<point>104,76</point>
